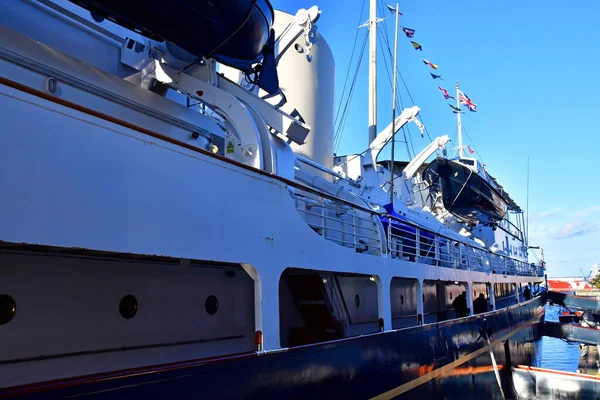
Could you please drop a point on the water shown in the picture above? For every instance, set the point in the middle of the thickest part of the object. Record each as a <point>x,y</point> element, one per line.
<point>556,353</point>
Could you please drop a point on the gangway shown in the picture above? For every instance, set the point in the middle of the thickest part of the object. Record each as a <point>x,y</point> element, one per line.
<point>571,332</point>
<point>568,300</point>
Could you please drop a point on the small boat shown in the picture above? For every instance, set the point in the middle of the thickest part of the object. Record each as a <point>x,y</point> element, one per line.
<point>233,32</point>
<point>570,317</point>
<point>467,191</point>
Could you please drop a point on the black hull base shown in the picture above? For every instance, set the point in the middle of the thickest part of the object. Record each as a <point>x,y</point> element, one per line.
<point>448,360</point>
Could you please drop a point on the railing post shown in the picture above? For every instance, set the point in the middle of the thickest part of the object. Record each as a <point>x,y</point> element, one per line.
<point>390,241</point>
<point>436,243</point>
<point>353,228</point>
<point>374,217</point>
<point>322,201</point>
<point>417,244</point>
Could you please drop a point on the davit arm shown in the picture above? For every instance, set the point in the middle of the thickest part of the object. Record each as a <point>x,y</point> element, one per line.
<point>409,114</point>
<point>417,161</point>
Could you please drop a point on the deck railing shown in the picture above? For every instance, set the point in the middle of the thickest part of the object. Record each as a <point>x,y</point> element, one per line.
<point>340,222</point>
<point>409,242</point>
<point>511,228</point>
<point>357,227</point>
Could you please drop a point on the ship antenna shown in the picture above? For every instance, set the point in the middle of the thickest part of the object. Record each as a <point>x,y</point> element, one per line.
<point>394,111</point>
<point>460,142</point>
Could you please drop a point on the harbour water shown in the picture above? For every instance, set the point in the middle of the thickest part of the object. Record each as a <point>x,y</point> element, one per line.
<point>556,353</point>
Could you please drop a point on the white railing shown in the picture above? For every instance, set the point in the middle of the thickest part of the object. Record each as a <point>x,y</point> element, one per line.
<point>357,227</point>
<point>411,243</point>
<point>341,222</point>
<point>511,228</point>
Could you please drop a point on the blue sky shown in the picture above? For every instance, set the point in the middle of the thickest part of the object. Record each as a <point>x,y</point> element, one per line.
<point>531,68</point>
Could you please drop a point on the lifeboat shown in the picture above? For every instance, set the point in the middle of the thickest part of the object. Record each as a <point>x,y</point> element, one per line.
<point>466,190</point>
<point>234,32</point>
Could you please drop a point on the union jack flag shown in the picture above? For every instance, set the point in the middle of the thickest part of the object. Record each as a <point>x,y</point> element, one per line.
<point>445,93</point>
<point>467,101</point>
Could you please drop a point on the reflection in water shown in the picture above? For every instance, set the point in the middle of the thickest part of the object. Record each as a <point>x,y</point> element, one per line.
<point>556,353</point>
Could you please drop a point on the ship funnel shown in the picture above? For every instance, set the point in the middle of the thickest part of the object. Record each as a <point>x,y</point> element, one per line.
<point>307,79</point>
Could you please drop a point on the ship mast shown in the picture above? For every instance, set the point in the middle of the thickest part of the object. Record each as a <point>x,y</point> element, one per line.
<point>460,142</point>
<point>372,71</point>
<point>394,110</point>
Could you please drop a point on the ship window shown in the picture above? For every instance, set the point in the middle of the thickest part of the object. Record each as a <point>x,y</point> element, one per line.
<point>401,299</point>
<point>468,162</point>
<point>211,305</point>
<point>357,301</point>
<point>450,295</point>
<point>8,308</point>
<point>230,274</point>
<point>128,306</point>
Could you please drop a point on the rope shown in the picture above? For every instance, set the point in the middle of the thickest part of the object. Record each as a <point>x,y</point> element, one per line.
<point>472,143</point>
<point>461,189</point>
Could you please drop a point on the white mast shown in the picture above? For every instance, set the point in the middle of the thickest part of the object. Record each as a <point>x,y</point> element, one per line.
<point>460,143</point>
<point>394,110</point>
<point>372,71</point>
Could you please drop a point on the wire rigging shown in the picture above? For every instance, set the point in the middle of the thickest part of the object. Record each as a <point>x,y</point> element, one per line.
<point>387,70</point>
<point>342,122</point>
<point>350,63</point>
<point>471,141</point>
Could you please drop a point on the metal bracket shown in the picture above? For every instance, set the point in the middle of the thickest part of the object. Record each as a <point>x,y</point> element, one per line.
<point>303,23</point>
<point>280,121</point>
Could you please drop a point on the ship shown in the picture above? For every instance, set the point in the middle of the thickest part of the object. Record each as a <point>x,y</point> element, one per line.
<point>174,223</point>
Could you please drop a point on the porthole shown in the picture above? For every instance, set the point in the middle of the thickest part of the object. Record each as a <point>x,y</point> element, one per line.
<point>8,308</point>
<point>357,301</point>
<point>401,299</point>
<point>128,306</point>
<point>211,305</point>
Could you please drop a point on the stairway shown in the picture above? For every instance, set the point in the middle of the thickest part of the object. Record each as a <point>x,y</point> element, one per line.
<point>314,304</point>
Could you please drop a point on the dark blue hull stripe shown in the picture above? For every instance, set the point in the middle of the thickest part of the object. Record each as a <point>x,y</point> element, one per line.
<point>414,362</point>
<point>444,369</point>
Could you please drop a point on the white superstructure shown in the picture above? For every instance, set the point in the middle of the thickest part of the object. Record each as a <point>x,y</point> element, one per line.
<point>148,206</point>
